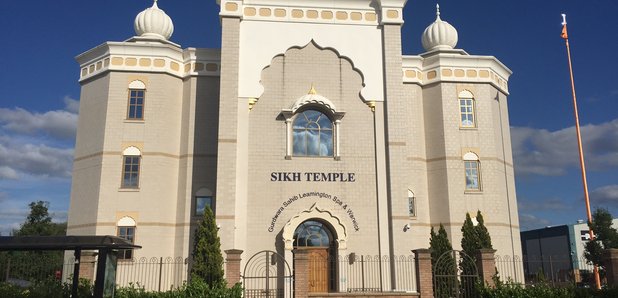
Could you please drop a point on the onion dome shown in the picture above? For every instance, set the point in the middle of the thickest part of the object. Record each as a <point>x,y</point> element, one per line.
<point>153,22</point>
<point>440,35</point>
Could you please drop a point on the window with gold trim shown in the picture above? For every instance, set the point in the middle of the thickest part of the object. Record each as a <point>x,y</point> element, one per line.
<point>126,229</point>
<point>472,167</point>
<point>313,134</point>
<point>131,159</point>
<point>135,106</point>
<point>466,109</point>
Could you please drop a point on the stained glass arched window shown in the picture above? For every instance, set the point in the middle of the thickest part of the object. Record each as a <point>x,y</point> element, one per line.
<point>313,234</point>
<point>313,134</point>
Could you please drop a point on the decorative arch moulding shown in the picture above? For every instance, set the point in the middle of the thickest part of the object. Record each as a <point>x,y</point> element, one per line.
<point>365,55</point>
<point>315,212</point>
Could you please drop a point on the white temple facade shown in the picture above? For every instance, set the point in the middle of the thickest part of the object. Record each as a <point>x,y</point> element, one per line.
<point>308,128</point>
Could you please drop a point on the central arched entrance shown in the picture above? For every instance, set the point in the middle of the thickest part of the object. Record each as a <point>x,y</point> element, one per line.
<point>317,238</point>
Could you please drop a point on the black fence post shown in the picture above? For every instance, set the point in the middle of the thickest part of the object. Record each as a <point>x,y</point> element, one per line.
<point>99,282</point>
<point>362,274</point>
<point>78,254</point>
<point>160,271</point>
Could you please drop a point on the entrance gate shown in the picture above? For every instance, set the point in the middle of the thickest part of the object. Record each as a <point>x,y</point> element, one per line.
<point>267,275</point>
<point>455,275</point>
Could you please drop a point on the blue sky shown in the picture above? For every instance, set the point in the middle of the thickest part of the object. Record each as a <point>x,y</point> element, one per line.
<point>39,93</point>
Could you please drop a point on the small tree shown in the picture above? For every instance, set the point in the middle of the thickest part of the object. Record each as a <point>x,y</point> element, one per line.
<point>474,237</point>
<point>605,236</point>
<point>35,265</point>
<point>438,244</point>
<point>441,248</point>
<point>39,222</point>
<point>207,258</point>
<point>482,232</point>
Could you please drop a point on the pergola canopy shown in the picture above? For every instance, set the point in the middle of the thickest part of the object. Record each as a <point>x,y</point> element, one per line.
<point>64,243</point>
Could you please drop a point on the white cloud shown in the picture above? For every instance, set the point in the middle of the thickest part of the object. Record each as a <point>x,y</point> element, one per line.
<point>543,152</point>
<point>71,105</point>
<point>8,173</point>
<point>61,124</point>
<point>529,221</point>
<point>13,213</point>
<point>543,205</point>
<point>33,159</point>
<point>605,195</point>
<point>6,229</point>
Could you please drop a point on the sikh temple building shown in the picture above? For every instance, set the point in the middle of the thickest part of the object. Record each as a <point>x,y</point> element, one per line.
<point>308,128</point>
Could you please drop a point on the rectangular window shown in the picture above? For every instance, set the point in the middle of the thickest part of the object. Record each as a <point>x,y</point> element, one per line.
<point>472,175</point>
<point>129,234</point>
<point>130,171</point>
<point>466,106</point>
<point>136,104</point>
<point>201,202</point>
<point>412,206</point>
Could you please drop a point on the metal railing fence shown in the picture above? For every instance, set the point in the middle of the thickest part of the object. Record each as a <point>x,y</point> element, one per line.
<point>26,267</point>
<point>153,274</point>
<point>371,273</point>
<point>554,269</point>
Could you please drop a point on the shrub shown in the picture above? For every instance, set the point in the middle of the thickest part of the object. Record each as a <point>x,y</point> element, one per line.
<point>207,258</point>
<point>48,288</point>
<point>196,288</point>
<point>514,290</point>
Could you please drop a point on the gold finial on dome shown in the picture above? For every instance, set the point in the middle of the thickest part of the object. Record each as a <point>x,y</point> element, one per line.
<point>312,90</point>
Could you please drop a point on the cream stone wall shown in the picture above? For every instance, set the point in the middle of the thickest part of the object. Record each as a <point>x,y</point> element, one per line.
<point>289,77</point>
<point>415,178</point>
<point>216,119</point>
<point>87,164</point>
<point>158,138</point>
<point>445,151</point>
<point>227,136</point>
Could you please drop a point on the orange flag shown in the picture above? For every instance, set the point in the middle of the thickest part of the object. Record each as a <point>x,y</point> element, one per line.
<point>564,28</point>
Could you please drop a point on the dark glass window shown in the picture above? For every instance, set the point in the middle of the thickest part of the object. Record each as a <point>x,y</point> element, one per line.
<point>130,171</point>
<point>472,175</point>
<point>312,233</point>
<point>201,202</point>
<point>129,234</point>
<point>136,104</point>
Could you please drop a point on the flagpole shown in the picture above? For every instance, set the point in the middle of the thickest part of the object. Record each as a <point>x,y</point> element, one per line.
<point>579,143</point>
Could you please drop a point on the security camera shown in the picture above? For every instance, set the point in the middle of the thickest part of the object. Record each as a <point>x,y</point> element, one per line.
<point>406,227</point>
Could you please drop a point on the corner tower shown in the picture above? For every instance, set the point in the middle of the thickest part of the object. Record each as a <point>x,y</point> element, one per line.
<point>136,156</point>
<point>467,147</point>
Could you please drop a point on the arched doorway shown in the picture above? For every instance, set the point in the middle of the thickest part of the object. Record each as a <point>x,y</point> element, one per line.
<point>317,237</point>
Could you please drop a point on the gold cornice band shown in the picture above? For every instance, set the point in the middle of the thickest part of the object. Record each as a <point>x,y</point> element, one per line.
<point>212,155</point>
<point>413,223</point>
<point>147,224</point>
<point>443,158</point>
<point>161,154</point>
